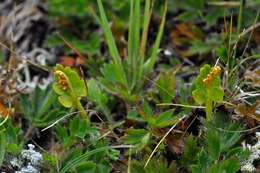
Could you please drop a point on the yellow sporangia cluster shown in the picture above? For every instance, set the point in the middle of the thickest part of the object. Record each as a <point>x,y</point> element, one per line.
<point>215,71</point>
<point>62,80</point>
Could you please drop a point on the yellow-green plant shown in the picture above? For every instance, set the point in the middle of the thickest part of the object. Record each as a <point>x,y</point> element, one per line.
<point>208,88</point>
<point>70,88</point>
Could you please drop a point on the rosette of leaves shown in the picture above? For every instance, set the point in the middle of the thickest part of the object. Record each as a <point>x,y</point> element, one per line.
<point>70,88</point>
<point>125,78</point>
<point>208,88</point>
<point>218,150</point>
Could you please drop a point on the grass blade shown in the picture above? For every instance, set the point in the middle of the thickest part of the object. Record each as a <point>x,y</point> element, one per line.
<point>147,18</point>
<point>79,159</point>
<point>149,64</point>
<point>111,43</point>
<point>2,146</point>
<point>76,161</point>
<point>134,41</point>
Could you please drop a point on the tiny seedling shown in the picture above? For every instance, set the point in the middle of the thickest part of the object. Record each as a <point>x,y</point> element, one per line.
<point>70,88</point>
<point>208,88</point>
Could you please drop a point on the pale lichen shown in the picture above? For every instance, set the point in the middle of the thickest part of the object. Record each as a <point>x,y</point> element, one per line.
<point>29,161</point>
<point>247,165</point>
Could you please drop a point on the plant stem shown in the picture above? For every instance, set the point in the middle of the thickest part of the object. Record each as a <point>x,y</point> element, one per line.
<point>81,109</point>
<point>209,110</point>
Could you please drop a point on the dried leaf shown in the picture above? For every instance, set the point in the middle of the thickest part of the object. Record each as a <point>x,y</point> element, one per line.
<point>176,143</point>
<point>67,61</point>
<point>182,36</point>
<point>71,61</point>
<point>249,111</point>
<point>4,112</point>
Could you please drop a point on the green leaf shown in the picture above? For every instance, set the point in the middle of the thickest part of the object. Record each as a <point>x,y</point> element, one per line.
<point>231,165</point>
<point>3,143</point>
<point>66,101</point>
<point>49,99</point>
<point>190,151</point>
<point>149,64</point>
<point>215,168</point>
<point>44,107</point>
<point>76,85</point>
<point>99,97</point>
<point>166,84</point>
<point>208,88</point>
<point>203,161</point>
<point>95,93</point>
<point>133,115</point>
<point>199,96</point>
<point>229,139</point>
<point>111,44</point>
<point>212,91</point>
<point>217,94</point>
<point>87,167</point>
<point>79,127</point>
<point>137,137</point>
<point>70,88</point>
<point>78,160</point>
<point>156,165</point>
<point>213,145</point>
<point>147,110</point>
<point>133,58</point>
<point>166,119</point>
<point>50,117</point>
<point>109,73</point>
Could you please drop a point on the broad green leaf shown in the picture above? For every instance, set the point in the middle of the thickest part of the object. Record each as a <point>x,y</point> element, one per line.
<point>212,91</point>
<point>231,165</point>
<point>66,101</point>
<point>70,88</point>
<point>217,94</point>
<point>208,88</point>
<point>76,85</point>
<point>95,94</point>
<point>213,145</point>
<point>199,96</point>
<point>58,89</point>
<point>79,127</point>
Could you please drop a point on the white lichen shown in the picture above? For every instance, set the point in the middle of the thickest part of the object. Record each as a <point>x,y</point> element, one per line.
<point>28,169</point>
<point>29,161</point>
<point>247,165</point>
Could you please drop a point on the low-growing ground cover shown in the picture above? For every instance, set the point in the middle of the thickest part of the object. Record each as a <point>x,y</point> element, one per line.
<point>135,86</point>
